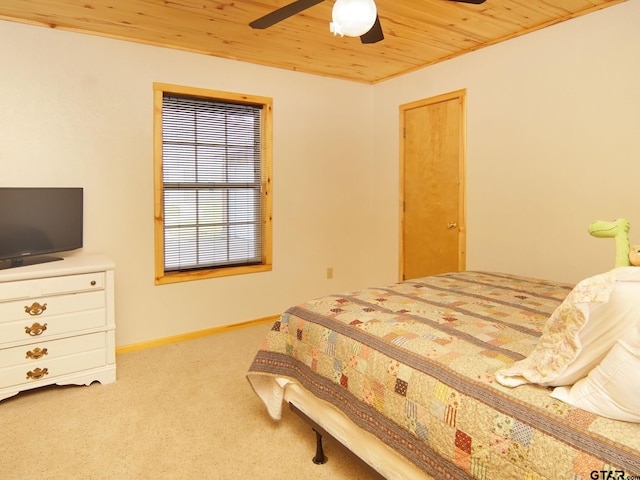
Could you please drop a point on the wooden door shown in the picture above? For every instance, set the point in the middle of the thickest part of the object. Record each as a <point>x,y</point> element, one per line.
<point>432,186</point>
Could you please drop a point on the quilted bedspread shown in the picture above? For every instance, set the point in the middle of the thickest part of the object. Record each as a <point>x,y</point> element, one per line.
<point>413,363</point>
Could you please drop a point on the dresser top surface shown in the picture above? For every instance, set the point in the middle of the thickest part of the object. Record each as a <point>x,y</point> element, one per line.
<point>67,266</point>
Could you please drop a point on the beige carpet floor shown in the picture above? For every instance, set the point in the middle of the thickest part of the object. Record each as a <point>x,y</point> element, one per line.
<point>179,411</point>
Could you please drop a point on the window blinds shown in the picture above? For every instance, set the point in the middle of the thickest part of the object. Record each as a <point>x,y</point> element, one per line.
<point>211,183</point>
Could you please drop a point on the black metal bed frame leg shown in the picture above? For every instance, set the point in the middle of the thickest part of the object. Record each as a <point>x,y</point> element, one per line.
<point>319,459</point>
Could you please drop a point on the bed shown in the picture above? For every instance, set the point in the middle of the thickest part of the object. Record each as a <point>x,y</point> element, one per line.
<point>464,375</point>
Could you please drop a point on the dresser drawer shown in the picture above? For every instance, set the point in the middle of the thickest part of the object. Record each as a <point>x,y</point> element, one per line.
<point>44,350</point>
<point>41,287</point>
<point>63,357</point>
<point>41,308</point>
<point>31,330</point>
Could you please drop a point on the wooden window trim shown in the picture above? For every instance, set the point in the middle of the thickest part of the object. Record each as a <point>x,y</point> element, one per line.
<point>162,277</point>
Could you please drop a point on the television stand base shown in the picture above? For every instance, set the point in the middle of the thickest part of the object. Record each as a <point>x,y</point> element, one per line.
<point>24,261</point>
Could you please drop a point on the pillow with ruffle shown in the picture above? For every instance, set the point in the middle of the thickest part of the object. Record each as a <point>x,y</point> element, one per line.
<point>581,331</point>
<point>612,389</point>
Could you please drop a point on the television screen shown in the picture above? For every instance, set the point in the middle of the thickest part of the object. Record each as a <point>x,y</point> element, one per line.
<point>39,221</point>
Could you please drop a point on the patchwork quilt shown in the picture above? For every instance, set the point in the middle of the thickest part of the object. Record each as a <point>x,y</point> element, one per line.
<point>413,363</point>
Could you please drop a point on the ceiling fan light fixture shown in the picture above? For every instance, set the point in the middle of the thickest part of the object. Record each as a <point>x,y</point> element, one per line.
<point>353,18</point>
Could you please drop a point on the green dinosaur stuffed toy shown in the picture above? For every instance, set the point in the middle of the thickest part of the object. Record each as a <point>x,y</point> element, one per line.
<point>618,230</point>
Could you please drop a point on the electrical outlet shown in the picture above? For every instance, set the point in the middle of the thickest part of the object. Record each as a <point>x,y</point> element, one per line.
<point>329,273</point>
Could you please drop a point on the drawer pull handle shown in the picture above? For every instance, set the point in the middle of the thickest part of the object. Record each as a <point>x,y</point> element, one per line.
<point>93,283</point>
<point>35,329</point>
<point>37,373</point>
<point>35,309</point>
<point>37,353</point>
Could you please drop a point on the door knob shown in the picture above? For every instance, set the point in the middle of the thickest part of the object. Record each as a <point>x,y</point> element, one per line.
<point>452,225</point>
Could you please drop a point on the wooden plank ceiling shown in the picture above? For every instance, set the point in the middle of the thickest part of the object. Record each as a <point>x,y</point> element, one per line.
<point>417,32</point>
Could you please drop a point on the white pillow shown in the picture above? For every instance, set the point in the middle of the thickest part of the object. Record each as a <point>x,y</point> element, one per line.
<point>612,389</point>
<point>606,324</point>
<point>628,274</point>
<point>581,331</point>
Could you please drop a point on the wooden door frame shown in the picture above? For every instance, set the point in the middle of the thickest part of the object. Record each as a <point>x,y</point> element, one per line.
<point>462,217</point>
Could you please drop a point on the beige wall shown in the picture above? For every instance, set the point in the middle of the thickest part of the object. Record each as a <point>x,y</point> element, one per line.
<point>553,130</point>
<point>77,110</point>
<point>552,127</point>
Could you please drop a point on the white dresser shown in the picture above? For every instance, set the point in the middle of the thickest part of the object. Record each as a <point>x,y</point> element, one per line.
<point>57,324</point>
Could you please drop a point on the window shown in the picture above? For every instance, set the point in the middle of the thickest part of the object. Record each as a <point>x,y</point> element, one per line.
<point>212,183</point>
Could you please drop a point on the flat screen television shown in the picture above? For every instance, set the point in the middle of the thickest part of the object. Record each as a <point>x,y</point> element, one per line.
<point>36,222</point>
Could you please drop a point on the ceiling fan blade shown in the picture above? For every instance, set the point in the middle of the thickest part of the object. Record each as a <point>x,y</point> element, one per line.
<point>283,13</point>
<point>375,34</point>
<point>475,2</point>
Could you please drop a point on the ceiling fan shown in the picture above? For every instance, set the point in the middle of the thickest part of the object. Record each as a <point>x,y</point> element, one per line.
<point>372,35</point>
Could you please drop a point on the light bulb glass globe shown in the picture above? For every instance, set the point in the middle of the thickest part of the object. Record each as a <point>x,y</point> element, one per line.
<point>353,17</point>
